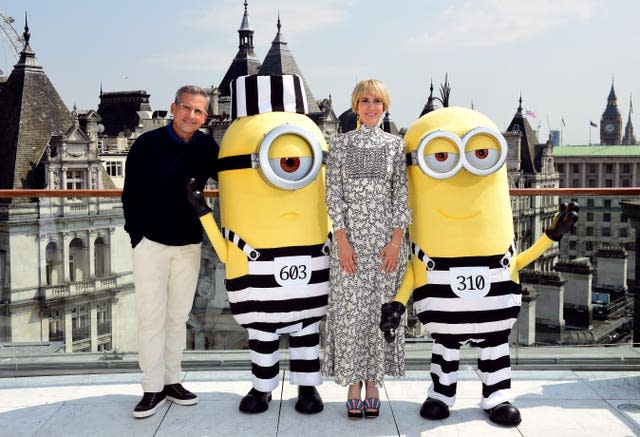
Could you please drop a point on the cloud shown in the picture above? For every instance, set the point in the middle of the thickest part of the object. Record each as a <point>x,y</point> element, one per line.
<point>497,22</point>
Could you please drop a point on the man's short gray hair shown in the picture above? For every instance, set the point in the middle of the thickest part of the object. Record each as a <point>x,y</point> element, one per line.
<point>192,89</point>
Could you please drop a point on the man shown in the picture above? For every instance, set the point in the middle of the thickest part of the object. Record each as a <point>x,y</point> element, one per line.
<point>166,236</point>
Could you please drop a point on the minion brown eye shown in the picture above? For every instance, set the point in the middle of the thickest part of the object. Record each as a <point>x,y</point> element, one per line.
<point>482,153</point>
<point>441,156</point>
<point>289,165</point>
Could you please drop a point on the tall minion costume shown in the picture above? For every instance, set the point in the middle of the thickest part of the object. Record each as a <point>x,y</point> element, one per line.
<point>274,237</point>
<point>463,271</point>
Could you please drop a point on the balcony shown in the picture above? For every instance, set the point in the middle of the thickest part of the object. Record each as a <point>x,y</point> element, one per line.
<point>572,388</point>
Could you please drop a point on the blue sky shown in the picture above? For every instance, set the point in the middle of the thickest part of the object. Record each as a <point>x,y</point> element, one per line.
<point>561,55</point>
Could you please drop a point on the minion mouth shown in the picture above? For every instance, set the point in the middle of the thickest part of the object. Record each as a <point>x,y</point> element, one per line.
<point>458,217</point>
<point>290,215</point>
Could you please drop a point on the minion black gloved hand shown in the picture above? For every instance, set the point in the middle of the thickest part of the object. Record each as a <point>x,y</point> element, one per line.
<point>196,198</point>
<point>391,312</point>
<point>564,221</point>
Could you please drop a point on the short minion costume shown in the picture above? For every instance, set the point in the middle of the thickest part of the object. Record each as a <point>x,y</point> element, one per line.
<point>463,271</point>
<point>275,235</point>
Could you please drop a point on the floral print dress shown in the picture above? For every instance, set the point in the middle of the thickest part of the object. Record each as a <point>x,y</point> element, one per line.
<point>367,196</point>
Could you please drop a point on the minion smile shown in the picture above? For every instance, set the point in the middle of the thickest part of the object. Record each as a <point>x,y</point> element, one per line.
<point>458,217</point>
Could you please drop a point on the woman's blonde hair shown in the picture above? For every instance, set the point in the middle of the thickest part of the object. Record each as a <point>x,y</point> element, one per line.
<point>375,87</point>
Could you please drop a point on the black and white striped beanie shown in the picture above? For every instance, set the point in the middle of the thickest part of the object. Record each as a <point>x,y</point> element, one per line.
<point>256,94</point>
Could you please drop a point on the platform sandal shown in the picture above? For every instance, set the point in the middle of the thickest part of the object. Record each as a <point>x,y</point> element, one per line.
<point>354,408</point>
<point>371,407</point>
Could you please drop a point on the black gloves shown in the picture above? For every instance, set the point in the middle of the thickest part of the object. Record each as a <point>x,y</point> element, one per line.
<point>391,312</point>
<point>197,199</point>
<point>564,221</point>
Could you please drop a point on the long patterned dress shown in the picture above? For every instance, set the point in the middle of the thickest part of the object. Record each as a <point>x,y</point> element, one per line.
<point>367,196</point>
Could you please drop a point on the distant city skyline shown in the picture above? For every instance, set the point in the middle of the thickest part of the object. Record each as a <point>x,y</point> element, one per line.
<point>560,56</point>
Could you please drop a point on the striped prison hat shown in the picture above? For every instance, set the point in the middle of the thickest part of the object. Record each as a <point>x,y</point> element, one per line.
<point>256,94</point>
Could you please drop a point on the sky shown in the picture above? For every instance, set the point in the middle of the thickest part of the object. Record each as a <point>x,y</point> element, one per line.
<point>561,56</point>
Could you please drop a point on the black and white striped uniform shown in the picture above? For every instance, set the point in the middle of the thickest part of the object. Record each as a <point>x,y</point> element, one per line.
<point>285,292</point>
<point>469,300</point>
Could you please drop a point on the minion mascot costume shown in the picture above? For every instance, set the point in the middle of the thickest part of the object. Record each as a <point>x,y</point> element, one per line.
<point>463,270</point>
<point>274,239</point>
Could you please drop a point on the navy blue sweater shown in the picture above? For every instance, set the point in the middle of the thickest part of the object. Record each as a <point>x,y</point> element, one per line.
<point>154,197</point>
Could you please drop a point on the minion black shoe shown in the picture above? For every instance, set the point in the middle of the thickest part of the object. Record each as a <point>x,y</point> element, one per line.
<point>504,414</point>
<point>309,400</point>
<point>434,409</point>
<point>255,401</point>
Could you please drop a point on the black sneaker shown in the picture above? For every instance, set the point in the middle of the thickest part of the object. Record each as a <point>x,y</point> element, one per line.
<point>177,394</point>
<point>149,404</point>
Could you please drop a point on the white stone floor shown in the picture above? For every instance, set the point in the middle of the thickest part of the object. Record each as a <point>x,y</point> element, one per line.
<point>552,402</point>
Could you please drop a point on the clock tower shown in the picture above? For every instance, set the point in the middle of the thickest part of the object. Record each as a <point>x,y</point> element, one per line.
<point>611,121</point>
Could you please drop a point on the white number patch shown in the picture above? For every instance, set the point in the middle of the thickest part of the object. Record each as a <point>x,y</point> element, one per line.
<point>292,270</point>
<point>469,282</point>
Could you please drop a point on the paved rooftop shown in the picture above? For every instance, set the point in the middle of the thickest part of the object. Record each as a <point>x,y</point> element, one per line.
<point>552,402</point>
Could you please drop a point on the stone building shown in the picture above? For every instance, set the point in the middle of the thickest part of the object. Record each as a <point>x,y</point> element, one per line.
<point>64,278</point>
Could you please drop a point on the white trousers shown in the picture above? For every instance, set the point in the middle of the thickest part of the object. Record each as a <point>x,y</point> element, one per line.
<point>165,278</point>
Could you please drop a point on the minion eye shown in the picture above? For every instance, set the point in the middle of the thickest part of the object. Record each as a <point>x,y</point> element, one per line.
<point>438,154</point>
<point>442,162</point>
<point>291,168</point>
<point>485,151</point>
<point>290,172</point>
<point>482,158</point>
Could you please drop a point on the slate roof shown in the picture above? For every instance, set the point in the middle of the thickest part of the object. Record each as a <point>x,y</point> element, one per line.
<point>31,110</point>
<point>245,62</point>
<point>279,60</point>
<point>528,141</point>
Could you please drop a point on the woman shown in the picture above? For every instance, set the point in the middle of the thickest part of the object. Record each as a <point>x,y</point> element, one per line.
<point>367,203</point>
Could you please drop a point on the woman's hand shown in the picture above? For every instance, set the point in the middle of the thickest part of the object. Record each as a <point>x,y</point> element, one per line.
<point>389,257</point>
<point>346,254</point>
<point>347,258</point>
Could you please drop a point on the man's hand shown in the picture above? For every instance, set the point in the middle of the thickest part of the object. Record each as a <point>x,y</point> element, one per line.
<point>391,313</point>
<point>196,198</point>
<point>563,221</point>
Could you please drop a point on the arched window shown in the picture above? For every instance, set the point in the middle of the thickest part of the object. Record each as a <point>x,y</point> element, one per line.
<point>77,260</point>
<point>54,264</point>
<point>101,257</point>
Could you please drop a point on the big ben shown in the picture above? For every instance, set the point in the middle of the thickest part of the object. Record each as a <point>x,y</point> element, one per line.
<point>611,121</point>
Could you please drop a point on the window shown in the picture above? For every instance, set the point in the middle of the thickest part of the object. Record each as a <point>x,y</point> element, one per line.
<point>623,232</point>
<point>53,267</point>
<point>575,183</point>
<point>606,217</point>
<point>623,218</point>
<point>606,232</point>
<point>80,324</point>
<point>589,246</point>
<point>626,168</point>
<point>573,245</point>
<point>626,183</point>
<point>103,313</point>
<point>589,216</point>
<point>590,203</point>
<point>608,168</point>
<point>592,183</point>
<point>592,168</point>
<point>608,183</point>
<point>589,231</point>
<point>75,179</point>
<point>56,325</point>
<point>114,168</point>
<point>607,203</point>
<point>575,168</point>
<point>560,168</point>
<point>77,260</point>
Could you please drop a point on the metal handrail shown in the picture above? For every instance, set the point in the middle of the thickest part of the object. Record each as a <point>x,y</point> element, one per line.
<point>615,191</point>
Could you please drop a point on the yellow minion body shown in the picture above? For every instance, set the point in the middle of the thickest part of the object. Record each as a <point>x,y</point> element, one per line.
<point>464,214</point>
<point>262,214</point>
